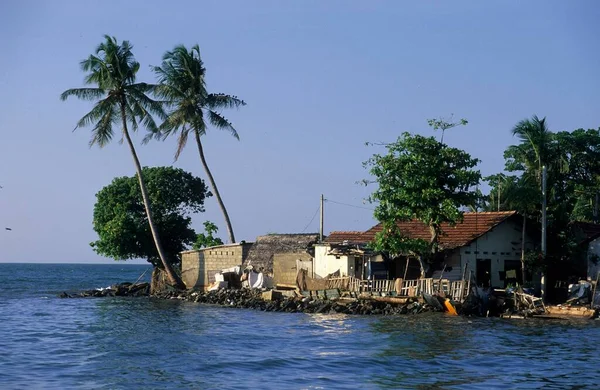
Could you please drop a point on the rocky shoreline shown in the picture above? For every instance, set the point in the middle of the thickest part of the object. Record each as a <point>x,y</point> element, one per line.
<point>253,299</point>
<point>116,290</point>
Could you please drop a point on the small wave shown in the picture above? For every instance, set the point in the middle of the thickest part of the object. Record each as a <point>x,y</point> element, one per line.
<point>333,353</point>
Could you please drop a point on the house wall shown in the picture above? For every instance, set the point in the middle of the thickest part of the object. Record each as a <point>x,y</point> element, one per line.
<point>325,264</point>
<point>500,244</point>
<point>285,267</point>
<point>198,268</point>
<point>593,255</point>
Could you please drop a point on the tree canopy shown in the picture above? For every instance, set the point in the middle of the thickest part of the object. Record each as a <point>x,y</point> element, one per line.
<point>207,239</point>
<point>121,222</point>
<point>572,160</point>
<point>420,179</point>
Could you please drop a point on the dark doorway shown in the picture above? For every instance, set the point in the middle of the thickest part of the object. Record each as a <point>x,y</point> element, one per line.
<point>484,272</point>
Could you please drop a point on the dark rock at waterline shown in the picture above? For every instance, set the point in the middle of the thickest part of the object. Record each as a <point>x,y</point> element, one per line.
<point>117,290</point>
<point>252,299</point>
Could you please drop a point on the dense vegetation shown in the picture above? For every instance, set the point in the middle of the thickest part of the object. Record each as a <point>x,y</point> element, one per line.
<point>423,179</point>
<point>122,225</point>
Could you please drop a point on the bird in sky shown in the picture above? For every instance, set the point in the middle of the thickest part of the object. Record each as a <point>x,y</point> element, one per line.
<point>8,228</point>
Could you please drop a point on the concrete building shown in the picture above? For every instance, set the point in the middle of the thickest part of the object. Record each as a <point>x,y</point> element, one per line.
<point>344,254</point>
<point>274,255</point>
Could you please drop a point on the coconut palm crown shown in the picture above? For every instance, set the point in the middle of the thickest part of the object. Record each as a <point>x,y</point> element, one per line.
<point>120,101</point>
<point>182,86</point>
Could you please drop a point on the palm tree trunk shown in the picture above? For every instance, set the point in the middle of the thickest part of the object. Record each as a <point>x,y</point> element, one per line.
<point>171,274</point>
<point>523,250</point>
<point>215,190</point>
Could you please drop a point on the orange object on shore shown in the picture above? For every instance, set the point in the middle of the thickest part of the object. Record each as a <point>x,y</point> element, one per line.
<point>449,308</point>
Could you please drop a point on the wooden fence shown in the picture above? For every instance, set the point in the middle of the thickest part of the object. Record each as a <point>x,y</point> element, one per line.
<point>456,290</point>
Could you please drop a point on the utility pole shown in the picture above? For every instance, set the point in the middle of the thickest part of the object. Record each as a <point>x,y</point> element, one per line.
<point>321,222</point>
<point>544,222</point>
<point>596,207</point>
<point>499,185</point>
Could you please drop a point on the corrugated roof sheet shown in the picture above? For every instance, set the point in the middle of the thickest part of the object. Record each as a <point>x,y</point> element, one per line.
<point>474,225</point>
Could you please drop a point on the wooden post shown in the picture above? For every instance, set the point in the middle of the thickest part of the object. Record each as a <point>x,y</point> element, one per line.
<point>321,221</point>
<point>544,222</point>
<point>406,268</point>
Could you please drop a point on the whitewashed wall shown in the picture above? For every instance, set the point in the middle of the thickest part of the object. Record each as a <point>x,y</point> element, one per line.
<point>325,264</point>
<point>499,244</point>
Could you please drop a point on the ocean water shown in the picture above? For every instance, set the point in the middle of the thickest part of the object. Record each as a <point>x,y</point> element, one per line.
<point>141,343</point>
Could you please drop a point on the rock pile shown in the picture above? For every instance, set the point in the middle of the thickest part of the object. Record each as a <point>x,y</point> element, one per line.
<point>117,290</point>
<point>252,299</point>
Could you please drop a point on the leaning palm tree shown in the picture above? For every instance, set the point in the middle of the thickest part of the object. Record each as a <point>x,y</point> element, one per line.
<point>182,86</point>
<point>120,100</point>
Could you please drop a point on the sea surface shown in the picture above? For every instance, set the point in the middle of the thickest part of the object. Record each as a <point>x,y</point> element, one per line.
<point>139,343</point>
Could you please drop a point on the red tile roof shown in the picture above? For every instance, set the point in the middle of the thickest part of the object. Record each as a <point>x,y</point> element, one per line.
<point>337,237</point>
<point>474,225</point>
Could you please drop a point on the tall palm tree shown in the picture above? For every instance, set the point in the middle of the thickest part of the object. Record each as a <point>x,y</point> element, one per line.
<point>182,86</point>
<point>535,133</point>
<point>120,100</point>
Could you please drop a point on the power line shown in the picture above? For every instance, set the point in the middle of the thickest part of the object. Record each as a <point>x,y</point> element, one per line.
<point>312,219</point>
<point>349,205</point>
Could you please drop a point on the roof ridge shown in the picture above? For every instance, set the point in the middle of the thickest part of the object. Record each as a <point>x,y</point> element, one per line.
<point>491,212</point>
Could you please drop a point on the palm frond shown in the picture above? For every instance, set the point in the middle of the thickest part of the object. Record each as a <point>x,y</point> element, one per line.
<point>221,100</point>
<point>138,92</point>
<point>132,114</point>
<point>139,111</point>
<point>220,122</point>
<point>102,133</point>
<point>97,113</point>
<point>181,141</point>
<point>83,93</point>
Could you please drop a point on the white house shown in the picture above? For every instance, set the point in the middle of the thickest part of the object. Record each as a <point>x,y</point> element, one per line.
<point>487,243</point>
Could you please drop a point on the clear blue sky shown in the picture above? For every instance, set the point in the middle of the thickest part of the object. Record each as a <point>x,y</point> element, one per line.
<point>320,78</point>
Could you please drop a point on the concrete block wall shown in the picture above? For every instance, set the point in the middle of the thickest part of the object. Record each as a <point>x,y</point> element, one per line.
<point>284,266</point>
<point>198,268</point>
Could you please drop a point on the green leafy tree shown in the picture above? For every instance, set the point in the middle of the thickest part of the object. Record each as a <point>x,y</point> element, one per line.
<point>445,124</point>
<point>121,101</point>
<point>207,239</point>
<point>122,225</point>
<point>183,87</point>
<point>420,179</point>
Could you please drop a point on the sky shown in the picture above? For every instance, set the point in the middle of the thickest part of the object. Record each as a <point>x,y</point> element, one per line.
<point>320,79</point>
